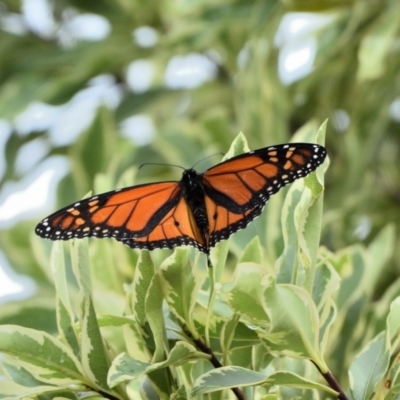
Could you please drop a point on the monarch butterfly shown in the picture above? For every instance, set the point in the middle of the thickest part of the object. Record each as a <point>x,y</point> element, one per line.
<point>199,210</point>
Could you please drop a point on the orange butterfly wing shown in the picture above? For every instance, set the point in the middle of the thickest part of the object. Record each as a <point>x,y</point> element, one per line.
<point>238,189</point>
<point>176,228</point>
<point>145,216</point>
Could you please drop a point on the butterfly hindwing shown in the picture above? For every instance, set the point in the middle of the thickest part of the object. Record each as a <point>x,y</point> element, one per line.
<point>176,228</point>
<point>223,222</point>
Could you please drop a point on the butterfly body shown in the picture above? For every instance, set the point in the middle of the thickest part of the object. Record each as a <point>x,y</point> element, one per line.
<point>199,210</point>
<point>194,194</point>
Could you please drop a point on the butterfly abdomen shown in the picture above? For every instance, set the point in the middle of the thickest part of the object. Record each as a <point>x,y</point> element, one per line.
<point>193,192</point>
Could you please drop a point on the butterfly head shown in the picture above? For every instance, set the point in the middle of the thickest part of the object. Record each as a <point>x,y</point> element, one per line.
<point>190,176</point>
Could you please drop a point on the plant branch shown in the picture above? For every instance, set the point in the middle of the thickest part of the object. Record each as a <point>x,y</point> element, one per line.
<point>215,362</point>
<point>108,395</point>
<point>333,383</point>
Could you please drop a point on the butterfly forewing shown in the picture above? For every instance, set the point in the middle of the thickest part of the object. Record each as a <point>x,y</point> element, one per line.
<point>248,180</point>
<point>129,212</point>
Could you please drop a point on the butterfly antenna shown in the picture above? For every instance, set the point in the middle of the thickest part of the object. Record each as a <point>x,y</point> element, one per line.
<point>205,158</point>
<point>164,165</point>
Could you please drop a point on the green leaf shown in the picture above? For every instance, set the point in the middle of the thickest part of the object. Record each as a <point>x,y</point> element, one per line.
<point>326,283</point>
<point>295,204</point>
<point>308,132</point>
<point>105,270</point>
<point>230,377</point>
<point>45,357</point>
<point>238,146</point>
<point>125,368</point>
<point>94,357</point>
<point>244,294</point>
<point>114,320</point>
<point>301,222</point>
<point>80,266</point>
<point>393,320</point>
<point>393,393</point>
<point>294,323</point>
<point>64,312</point>
<point>392,329</point>
<point>226,377</point>
<point>218,256</point>
<point>377,256</point>
<point>10,390</point>
<point>369,367</point>
<point>301,225</point>
<point>154,314</point>
<point>148,391</point>
<point>294,380</point>
<point>66,327</point>
<point>144,273</point>
<point>377,44</point>
<point>312,226</point>
<point>252,252</point>
<point>327,319</point>
<point>34,312</point>
<point>244,336</point>
<point>228,334</point>
<point>180,394</point>
<point>180,285</point>
<point>19,375</point>
<point>58,271</point>
<point>135,342</point>
<point>351,264</point>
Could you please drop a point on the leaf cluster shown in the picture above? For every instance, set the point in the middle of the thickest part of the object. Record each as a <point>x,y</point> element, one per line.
<point>261,329</point>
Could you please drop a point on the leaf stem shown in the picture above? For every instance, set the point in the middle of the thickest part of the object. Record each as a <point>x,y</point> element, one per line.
<point>108,395</point>
<point>333,383</point>
<point>215,362</point>
<point>210,307</point>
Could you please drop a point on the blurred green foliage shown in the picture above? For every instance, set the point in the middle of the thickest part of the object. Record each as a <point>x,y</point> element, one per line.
<point>356,74</point>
